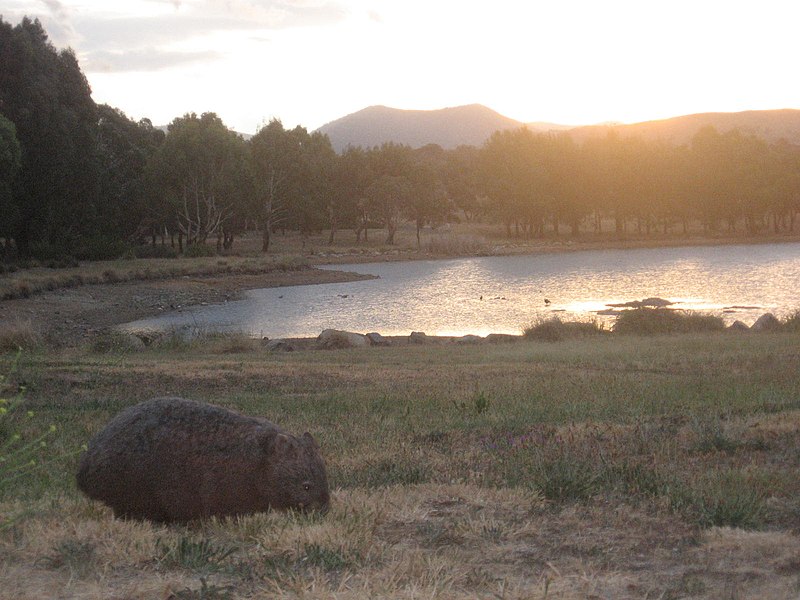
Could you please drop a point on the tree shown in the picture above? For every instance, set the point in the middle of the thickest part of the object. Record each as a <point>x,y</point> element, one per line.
<point>460,177</point>
<point>124,149</point>
<point>391,188</point>
<point>199,171</point>
<point>428,200</point>
<point>45,94</point>
<point>513,174</point>
<point>347,204</point>
<point>10,162</point>
<point>275,156</point>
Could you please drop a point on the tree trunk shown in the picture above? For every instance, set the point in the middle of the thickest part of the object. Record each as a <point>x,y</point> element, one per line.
<point>265,238</point>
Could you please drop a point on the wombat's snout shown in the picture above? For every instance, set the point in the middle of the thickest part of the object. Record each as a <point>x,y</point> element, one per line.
<point>322,505</point>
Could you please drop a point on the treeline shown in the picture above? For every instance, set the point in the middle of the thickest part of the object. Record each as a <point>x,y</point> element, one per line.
<point>85,180</point>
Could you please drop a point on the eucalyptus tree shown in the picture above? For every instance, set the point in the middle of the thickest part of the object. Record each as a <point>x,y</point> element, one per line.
<point>390,191</point>
<point>347,205</point>
<point>428,200</point>
<point>124,149</point>
<point>200,173</point>
<point>45,94</point>
<point>515,177</point>
<point>10,162</point>
<point>274,158</point>
<point>460,178</point>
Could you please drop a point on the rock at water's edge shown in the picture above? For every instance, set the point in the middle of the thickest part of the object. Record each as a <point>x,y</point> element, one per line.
<point>334,339</point>
<point>766,322</point>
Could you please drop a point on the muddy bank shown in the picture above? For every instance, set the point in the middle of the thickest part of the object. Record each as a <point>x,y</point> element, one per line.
<point>67,317</point>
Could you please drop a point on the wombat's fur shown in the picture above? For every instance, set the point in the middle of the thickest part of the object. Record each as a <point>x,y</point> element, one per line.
<point>170,459</point>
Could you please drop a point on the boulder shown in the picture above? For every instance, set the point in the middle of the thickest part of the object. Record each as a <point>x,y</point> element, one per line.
<point>418,337</point>
<point>502,338</point>
<point>766,322</point>
<point>469,339</point>
<point>738,326</point>
<point>279,345</point>
<point>376,339</point>
<point>331,339</point>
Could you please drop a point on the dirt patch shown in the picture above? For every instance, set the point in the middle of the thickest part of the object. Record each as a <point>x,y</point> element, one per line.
<point>68,317</point>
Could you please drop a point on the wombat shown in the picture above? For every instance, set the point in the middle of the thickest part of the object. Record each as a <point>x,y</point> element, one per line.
<point>175,460</point>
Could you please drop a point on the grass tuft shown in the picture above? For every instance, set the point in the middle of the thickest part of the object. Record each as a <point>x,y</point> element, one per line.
<point>194,555</point>
<point>727,499</point>
<point>655,321</point>
<point>19,335</point>
<point>556,330</point>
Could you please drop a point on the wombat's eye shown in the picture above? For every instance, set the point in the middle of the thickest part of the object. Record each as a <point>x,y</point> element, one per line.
<point>306,487</point>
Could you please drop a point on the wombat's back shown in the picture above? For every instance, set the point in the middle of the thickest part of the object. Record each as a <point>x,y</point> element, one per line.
<point>158,449</point>
<point>171,459</point>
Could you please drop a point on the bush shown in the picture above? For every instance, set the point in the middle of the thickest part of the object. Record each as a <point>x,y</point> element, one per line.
<point>654,321</point>
<point>53,256</point>
<point>102,248</point>
<point>792,322</point>
<point>159,251</point>
<point>555,330</point>
<point>198,250</point>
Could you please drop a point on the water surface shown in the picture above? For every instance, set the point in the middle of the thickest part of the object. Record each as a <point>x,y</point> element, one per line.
<point>504,294</point>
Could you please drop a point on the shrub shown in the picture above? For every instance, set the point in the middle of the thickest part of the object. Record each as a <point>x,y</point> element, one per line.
<point>792,322</point>
<point>555,330</point>
<point>159,251</point>
<point>53,256</point>
<point>102,248</point>
<point>450,244</point>
<point>654,321</point>
<point>198,250</point>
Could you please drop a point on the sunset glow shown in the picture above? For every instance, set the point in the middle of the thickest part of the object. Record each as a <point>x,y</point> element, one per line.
<point>311,61</point>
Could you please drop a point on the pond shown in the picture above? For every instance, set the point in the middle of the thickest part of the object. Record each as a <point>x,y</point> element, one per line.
<point>503,294</point>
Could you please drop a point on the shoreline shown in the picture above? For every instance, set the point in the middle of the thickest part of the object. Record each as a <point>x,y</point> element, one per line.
<point>68,317</point>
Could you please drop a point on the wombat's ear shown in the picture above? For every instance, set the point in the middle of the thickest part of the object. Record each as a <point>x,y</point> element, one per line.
<point>279,444</point>
<point>310,438</point>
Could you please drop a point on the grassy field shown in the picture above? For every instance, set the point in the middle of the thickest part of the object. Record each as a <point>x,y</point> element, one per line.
<point>607,467</point>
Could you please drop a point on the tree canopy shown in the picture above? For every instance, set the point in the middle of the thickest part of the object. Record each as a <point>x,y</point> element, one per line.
<point>82,179</point>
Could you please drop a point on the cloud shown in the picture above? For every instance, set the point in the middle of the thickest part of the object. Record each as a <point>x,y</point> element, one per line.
<point>103,61</point>
<point>107,40</point>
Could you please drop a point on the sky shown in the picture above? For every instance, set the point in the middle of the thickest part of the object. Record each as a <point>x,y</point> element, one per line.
<point>309,62</point>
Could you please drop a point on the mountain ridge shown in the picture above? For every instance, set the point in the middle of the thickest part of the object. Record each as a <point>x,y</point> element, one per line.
<point>472,124</point>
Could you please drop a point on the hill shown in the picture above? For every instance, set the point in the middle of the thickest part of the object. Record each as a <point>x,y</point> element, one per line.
<point>449,127</point>
<point>770,125</point>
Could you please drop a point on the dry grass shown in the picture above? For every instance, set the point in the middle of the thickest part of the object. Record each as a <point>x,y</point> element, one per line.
<point>610,469</point>
<point>27,282</point>
<point>19,334</point>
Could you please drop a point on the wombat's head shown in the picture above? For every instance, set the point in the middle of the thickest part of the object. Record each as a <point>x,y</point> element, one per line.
<point>299,480</point>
